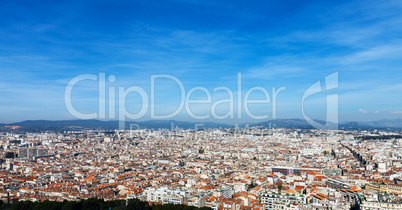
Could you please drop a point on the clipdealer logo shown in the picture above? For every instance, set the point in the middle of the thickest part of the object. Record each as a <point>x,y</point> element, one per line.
<point>331,82</point>
<point>148,100</point>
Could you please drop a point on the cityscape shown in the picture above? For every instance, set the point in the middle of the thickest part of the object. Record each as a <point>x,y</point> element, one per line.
<point>231,168</point>
<point>201,104</point>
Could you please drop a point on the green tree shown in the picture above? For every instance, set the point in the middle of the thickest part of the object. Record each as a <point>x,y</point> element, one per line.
<point>137,204</point>
<point>94,203</point>
<point>279,186</point>
<point>25,205</point>
<point>252,185</point>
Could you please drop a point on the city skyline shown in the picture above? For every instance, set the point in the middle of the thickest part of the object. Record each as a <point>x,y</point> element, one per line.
<point>201,104</point>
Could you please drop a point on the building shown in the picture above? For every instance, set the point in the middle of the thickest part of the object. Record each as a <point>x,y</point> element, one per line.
<point>337,184</point>
<point>376,187</point>
<point>42,152</point>
<point>23,153</point>
<point>293,171</point>
<point>32,152</point>
<point>281,201</point>
<point>286,170</point>
<point>166,195</point>
<point>332,172</point>
<point>9,155</point>
<point>272,179</point>
<point>228,192</point>
<point>394,188</point>
<point>378,205</point>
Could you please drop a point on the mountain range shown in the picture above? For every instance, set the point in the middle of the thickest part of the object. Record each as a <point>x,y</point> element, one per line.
<point>40,125</point>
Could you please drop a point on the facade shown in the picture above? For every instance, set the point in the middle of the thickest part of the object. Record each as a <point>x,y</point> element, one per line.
<point>23,153</point>
<point>394,188</point>
<point>376,187</point>
<point>287,170</point>
<point>337,184</point>
<point>228,192</point>
<point>42,152</point>
<point>281,201</point>
<point>272,179</point>
<point>9,155</point>
<point>380,206</point>
<point>389,188</point>
<point>165,196</point>
<point>332,172</point>
<point>32,152</point>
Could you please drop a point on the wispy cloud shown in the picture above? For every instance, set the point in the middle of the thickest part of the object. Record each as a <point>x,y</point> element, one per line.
<point>363,111</point>
<point>382,52</point>
<point>273,71</point>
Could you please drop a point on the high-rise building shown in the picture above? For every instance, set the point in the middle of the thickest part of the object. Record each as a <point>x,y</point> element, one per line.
<point>9,155</point>
<point>42,152</point>
<point>32,152</point>
<point>23,153</point>
<point>228,192</point>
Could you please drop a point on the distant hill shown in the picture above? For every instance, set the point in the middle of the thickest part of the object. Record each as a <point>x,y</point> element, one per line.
<point>303,124</point>
<point>39,125</point>
<point>67,123</point>
<point>180,124</point>
<point>61,125</point>
<point>394,123</point>
<point>284,123</point>
<point>356,125</point>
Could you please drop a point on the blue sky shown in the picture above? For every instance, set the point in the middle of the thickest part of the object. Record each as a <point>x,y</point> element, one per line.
<point>292,44</point>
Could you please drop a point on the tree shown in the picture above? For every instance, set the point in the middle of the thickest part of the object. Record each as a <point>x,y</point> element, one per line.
<point>201,151</point>
<point>94,203</point>
<point>304,191</point>
<point>137,204</point>
<point>252,185</point>
<point>279,187</point>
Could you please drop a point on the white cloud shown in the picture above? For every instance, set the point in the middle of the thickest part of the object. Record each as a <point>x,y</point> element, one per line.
<point>376,112</point>
<point>272,71</point>
<point>387,51</point>
<point>363,111</point>
<point>396,112</point>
